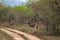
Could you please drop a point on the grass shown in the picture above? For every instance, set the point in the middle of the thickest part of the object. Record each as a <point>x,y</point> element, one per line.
<point>6,36</point>
<point>39,33</point>
<point>30,30</point>
<point>52,37</point>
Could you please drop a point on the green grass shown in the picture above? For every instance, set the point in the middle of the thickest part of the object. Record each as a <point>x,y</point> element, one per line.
<point>6,36</point>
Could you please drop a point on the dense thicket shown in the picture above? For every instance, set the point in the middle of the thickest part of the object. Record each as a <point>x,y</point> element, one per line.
<point>49,14</point>
<point>46,12</point>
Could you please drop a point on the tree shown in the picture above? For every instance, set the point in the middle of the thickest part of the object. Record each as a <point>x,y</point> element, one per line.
<point>54,5</point>
<point>48,11</point>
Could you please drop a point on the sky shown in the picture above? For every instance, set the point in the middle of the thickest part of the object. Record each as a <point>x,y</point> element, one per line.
<point>13,2</point>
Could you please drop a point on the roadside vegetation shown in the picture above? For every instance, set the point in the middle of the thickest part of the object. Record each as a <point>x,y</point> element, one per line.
<point>40,18</point>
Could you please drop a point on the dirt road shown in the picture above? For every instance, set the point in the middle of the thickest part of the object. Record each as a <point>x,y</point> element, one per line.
<point>14,35</point>
<point>29,36</point>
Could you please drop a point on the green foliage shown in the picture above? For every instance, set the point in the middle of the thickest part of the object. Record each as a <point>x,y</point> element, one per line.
<point>25,10</point>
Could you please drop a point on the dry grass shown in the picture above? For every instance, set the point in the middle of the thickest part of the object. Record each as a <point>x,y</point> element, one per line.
<point>52,37</point>
<point>39,33</point>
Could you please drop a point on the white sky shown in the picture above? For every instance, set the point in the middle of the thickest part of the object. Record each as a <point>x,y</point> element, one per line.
<point>13,2</point>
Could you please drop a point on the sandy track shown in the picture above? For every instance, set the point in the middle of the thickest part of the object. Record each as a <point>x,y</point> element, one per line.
<point>12,34</point>
<point>29,36</point>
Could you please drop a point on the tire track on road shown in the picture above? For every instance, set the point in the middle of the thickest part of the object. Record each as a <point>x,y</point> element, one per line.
<point>12,34</point>
<point>29,36</point>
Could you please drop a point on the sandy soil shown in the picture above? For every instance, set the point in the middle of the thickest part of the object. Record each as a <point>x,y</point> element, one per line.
<point>29,36</point>
<point>12,34</point>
